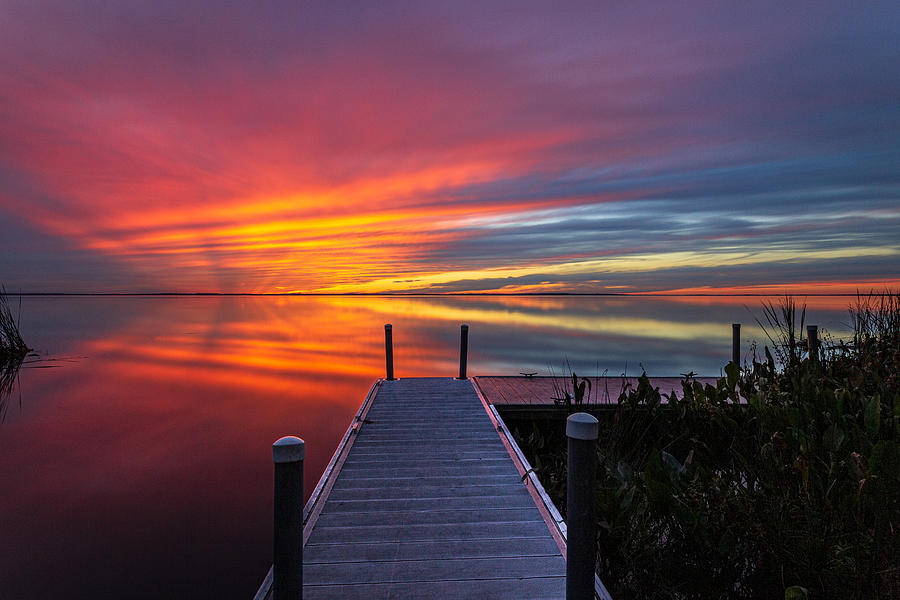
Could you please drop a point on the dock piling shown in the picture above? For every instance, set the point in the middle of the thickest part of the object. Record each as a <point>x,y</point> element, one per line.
<point>389,352</point>
<point>581,544</point>
<point>812,337</point>
<point>736,343</point>
<point>463,349</point>
<point>288,454</point>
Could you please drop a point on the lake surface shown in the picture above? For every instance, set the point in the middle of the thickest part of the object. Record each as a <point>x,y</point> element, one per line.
<point>135,455</point>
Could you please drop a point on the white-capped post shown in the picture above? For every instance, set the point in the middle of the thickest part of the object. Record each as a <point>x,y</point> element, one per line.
<point>287,570</point>
<point>581,540</point>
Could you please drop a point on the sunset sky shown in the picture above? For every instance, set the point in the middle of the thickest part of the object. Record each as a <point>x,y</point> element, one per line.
<point>449,146</point>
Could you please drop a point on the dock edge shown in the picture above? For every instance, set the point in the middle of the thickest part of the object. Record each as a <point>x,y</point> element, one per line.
<point>317,500</point>
<point>551,515</point>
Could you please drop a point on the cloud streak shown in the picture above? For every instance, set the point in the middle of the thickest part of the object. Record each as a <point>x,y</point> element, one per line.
<point>425,146</point>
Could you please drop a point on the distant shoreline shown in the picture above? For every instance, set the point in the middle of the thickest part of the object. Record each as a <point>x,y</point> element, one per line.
<point>434,294</point>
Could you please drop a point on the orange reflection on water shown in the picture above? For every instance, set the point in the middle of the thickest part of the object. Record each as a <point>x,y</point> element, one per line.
<point>173,404</point>
<point>548,314</point>
<point>269,343</point>
<point>755,302</point>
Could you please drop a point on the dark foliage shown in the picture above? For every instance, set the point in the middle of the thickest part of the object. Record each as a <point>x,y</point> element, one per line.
<point>781,481</point>
<point>12,346</point>
<point>12,352</point>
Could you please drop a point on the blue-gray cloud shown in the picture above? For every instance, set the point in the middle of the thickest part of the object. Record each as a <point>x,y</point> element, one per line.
<point>617,130</point>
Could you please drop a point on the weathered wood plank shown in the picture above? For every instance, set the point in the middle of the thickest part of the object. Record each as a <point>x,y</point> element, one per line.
<point>406,532</point>
<point>440,445</point>
<point>377,551</point>
<point>420,455</point>
<point>443,480</point>
<point>413,504</point>
<point>448,469</point>
<point>434,491</point>
<point>538,588</point>
<point>425,517</point>
<point>427,503</point>
<point>440,569</point>
<point>468,464</point>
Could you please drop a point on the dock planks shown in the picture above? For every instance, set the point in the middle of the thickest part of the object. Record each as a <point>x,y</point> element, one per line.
<point>531,391</point>
<point>424,501</point>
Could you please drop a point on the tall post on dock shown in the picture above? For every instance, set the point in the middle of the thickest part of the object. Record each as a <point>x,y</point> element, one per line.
<point>812,338</point>
<point>581,542</point>
<point>389,351</point>
<point>463,349</point>
<point>736,343</point>
<point>287,571</point>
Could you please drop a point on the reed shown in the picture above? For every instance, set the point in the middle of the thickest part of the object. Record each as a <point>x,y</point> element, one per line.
<point>779,323</point>
<point>12,351</point>
<point>875,316</point>
<point>12,346</point>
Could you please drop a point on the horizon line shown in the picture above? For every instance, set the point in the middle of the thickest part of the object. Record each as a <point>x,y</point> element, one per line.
<point>401,294</point>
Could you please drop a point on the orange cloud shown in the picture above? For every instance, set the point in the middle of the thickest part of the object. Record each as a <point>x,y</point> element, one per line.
<point>398,152</point>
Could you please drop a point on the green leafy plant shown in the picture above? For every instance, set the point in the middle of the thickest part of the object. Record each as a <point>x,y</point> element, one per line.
<point>579,395</point>
<point>781,479</point>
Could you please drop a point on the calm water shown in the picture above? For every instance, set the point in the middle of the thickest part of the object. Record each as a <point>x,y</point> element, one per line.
<point>135,456</point>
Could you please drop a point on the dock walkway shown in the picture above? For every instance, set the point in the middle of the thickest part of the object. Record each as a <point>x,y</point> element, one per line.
<point>423,500</point>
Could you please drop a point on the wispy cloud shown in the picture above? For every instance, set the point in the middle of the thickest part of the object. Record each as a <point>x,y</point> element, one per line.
<point>447,147</point>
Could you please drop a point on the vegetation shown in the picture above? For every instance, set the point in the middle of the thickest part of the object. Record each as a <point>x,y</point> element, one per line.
<point>12,346</point>
<point>12,351</point>
<point>780,481</point>
<point>580,394</point>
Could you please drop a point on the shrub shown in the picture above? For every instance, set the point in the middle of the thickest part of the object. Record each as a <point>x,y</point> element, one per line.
<point>778,479</point>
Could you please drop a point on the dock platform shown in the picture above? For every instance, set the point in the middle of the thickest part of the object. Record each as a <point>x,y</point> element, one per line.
<point>531,392</point>
<point>426,498</point>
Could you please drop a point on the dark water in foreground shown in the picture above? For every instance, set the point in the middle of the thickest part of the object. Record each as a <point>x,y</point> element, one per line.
<point>135,456</point>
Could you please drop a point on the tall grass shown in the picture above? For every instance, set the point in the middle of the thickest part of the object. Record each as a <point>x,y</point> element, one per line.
<point>875,315</point>
<point>12,346</point>
<point>780,325</point>
<point>12,351</point>
<point>9,374</point>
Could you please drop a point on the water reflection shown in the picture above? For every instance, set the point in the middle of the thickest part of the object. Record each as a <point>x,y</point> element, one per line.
<point>513,334</point>
<point>143,468</point>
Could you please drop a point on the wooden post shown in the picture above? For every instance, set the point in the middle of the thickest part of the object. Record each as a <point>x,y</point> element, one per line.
<point>581,542</point>
<point>288,454</point>
<point>736,343</point>
<point>812,339</point>
<point>463,349</point>
<point>389,351</point>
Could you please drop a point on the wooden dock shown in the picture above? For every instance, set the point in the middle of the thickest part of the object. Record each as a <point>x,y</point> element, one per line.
<point>515,391</point>
<point>427,497</point>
